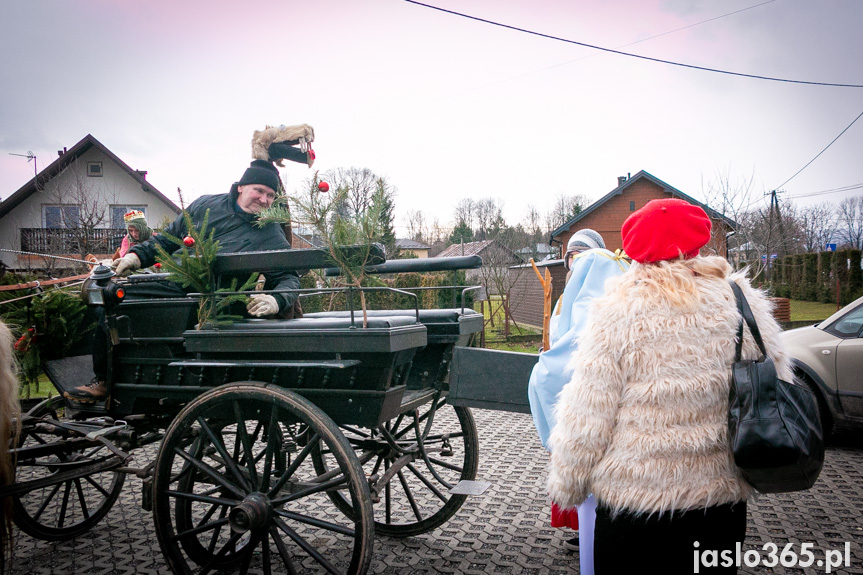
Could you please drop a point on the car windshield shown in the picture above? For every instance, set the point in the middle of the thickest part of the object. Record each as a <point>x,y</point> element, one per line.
<point>849,325</point>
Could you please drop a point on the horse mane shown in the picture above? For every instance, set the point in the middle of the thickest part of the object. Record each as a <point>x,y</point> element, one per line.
<point>10,427</point>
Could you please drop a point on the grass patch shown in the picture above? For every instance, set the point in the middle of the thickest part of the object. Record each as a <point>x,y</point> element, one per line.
<point>811,310</point>
<point>520,346</point>
<point>495,330</point>
<point>43,388</point>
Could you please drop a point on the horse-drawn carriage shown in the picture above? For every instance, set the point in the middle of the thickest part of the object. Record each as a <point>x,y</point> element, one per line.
<point>280,442</point>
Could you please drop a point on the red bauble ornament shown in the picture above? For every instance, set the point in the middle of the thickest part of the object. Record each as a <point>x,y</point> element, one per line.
<point>323,187</point>
<point>311,153</point>
<point>188,241</point>
<point>157,265</point>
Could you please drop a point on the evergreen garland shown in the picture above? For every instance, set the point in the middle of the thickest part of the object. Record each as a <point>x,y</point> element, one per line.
<point>193,268</point>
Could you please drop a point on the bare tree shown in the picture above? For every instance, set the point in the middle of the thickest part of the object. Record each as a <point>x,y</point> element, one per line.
<point>359,184</point>
<point>817,224</point>
<point>850,216</point>
<point>79,209</point>
<point>417,225</point>
<point>489,218</point>
<point>464,213</point>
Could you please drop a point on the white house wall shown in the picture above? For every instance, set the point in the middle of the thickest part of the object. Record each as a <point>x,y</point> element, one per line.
<point>115,187</point>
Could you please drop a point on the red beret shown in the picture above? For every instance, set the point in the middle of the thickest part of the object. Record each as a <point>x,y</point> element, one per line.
<point>664,229</point>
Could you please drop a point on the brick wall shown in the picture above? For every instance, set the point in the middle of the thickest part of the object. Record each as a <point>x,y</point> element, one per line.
<point>609,217</point>
<point>526,294</point>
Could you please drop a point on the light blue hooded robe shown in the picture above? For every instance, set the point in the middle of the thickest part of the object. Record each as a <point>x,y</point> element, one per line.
<point>590,269</point>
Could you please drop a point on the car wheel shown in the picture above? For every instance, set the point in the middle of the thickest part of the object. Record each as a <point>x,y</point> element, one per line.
<point>823,408</point>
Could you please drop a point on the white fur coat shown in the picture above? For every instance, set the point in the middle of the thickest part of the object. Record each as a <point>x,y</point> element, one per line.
<point>643,424</point>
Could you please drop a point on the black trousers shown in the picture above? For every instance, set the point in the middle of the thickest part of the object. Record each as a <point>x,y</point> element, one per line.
<point>630,543</point>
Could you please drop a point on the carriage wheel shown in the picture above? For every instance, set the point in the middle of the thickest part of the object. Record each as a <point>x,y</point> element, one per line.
<point>68,508</point>
<point>234,487</point>
<point>437,447</point>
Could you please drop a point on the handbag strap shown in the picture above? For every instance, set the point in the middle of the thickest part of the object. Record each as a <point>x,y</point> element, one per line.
<point>746,315</point>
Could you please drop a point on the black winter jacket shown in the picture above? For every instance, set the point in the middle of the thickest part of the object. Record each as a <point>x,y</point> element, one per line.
<point>235,231</point>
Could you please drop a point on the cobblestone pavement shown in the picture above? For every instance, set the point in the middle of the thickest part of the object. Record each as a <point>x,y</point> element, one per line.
<point>505,530</point>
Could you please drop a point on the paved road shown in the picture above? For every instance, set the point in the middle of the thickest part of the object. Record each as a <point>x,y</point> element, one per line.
<point>504,531</point>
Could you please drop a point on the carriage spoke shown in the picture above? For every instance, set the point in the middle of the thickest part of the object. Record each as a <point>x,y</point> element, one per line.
<point>316,522</point>
<point>446,464</point>
<point>95,484</point>
<point>65,505</point>
<point>243,434</point>
<point>265,555</point>
<point>215,537</point>
<point>273,433</point>
<point>306,546</point>
<point>220,447</point>
<point>45,503</point>
<point>200,528</point>
<point>82,499</point>
<point>427,483</point>
<point>223,552</point>
<point>295,464</point>
<point>202,498</point>
<point>210,472</point>
<point>249,552</point>
<point>326,485</point>
<point>410,496</point>
<point>283,551</point>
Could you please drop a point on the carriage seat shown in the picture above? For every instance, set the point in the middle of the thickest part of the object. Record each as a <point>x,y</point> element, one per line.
<point>443,325</point>
<point>387,333</point>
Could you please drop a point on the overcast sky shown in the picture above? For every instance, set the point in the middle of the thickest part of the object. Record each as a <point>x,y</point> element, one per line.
<point>444,107</point>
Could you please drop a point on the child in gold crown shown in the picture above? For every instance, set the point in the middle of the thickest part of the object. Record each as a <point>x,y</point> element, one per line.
<point>137,231</point>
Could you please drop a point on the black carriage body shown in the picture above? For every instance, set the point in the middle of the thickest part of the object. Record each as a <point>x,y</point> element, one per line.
<point>357,375</point>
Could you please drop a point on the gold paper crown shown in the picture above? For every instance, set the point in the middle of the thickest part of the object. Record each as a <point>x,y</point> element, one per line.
<point>133,215</point>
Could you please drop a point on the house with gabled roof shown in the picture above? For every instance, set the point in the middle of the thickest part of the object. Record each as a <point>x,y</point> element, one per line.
<point>413,247</point>
<point>75,206</point>
<point>607,214</point>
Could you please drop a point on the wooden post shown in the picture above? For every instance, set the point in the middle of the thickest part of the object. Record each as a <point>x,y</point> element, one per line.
<point>546,304</point>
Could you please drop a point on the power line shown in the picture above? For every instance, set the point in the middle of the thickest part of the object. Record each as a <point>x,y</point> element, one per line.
<point>821,152</point>
<point>631,55</point>
<point>616,47</point>
<point>833,191</point>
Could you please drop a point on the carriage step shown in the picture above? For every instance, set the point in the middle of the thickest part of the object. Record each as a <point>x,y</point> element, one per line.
<point>467,487</point>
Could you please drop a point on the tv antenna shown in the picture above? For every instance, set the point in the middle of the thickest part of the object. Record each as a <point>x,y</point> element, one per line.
<point>30,156</point>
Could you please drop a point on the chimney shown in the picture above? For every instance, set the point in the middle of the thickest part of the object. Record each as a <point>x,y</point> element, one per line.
<point>620,180</point>
<point>142,173</point>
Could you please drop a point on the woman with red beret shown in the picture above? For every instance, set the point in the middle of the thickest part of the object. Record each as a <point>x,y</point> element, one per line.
<point>643,423</point>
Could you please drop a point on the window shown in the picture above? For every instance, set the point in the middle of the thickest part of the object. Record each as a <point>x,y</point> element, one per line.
<point>117,213</point>
<point>631,206</point>
<point>849,325</point>
<point>94,169</point>
<point>57,217</point>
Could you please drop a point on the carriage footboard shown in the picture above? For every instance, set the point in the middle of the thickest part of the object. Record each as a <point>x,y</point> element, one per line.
<point>491,379</point>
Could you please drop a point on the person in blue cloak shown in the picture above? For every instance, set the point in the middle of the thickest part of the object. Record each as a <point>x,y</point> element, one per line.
<point>589,265</point>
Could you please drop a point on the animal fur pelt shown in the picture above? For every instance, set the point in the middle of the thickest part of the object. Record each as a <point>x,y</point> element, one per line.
<point>301,134</point>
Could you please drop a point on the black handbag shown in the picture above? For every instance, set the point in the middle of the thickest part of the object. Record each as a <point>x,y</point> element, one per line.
<point>774,427</point>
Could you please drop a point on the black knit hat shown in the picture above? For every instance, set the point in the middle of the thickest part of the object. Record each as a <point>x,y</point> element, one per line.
<point>261,172</point>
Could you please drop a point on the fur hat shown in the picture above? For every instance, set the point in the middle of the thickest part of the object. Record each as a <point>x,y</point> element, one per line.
<point>261,172</point>
<point>664,230</point>
<point>585,239</point>
<point>274,144</point>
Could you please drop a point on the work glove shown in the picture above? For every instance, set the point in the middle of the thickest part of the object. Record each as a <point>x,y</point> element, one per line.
<point>126,265</point>
<point>262,304</point>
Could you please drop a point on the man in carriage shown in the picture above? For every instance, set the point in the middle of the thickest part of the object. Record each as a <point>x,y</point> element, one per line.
<point>233,217</point>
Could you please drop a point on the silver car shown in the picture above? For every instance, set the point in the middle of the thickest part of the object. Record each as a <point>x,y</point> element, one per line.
<point>828,357</point>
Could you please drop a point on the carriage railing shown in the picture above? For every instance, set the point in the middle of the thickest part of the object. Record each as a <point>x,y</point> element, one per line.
<point>307,292</point>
